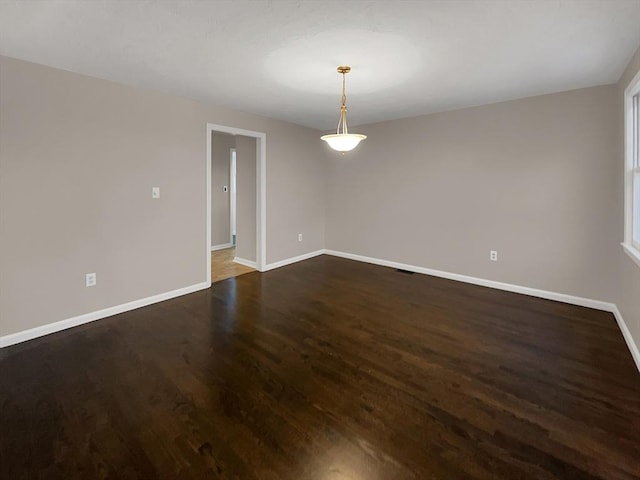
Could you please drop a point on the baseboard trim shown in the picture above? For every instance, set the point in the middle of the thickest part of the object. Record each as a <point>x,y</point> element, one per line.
<point>245,262</point>
<point>534,292</point>
<point>221,246</point>
<point>633,348</point>
<point>43,330</point>
<point>25,335</point>
<point>289,261</point>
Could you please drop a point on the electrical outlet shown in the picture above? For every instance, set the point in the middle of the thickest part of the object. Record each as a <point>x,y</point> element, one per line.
<point>155,192</point>
<point>90,279</point>
<point>493,255</point>
<point>299,237</point>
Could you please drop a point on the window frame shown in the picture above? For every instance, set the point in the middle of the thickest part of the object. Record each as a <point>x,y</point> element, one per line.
<point>631,245</point>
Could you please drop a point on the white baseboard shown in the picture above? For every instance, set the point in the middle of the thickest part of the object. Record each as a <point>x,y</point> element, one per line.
<point>289,261</point>
<point>36,332</point>
<point>631,344</point>
<point>222,246</point>
<point>245,262</point>
<point>534,292</point>
<point>40,331</point>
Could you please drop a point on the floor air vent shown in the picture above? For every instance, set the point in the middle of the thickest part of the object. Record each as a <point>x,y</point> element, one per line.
<point>399,270</point>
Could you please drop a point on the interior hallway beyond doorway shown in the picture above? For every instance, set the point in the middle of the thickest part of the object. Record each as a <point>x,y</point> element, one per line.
<point>223,266</point>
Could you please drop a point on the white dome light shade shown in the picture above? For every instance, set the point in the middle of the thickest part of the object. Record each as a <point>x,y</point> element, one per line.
<point>343,142</point>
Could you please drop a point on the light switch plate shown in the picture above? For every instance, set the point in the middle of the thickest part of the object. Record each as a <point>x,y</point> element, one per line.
<point>155,192</point>
<point>90,279</point>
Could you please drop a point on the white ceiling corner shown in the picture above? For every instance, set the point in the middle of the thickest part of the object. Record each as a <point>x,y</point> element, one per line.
<point>278,58</point>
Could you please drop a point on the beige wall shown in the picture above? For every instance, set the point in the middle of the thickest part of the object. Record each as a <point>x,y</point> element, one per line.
<point>246,198</point>
<point>537,179</point>
<point>78,158</point>
<point>628,299</point>
<point>534,179</point>
<point>221,146</point>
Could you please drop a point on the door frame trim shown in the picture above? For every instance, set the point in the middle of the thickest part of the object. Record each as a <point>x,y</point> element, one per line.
<point>233,204</point>
<point>261,192</point>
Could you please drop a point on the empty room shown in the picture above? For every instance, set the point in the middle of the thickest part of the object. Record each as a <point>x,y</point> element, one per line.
<point>320,240</point>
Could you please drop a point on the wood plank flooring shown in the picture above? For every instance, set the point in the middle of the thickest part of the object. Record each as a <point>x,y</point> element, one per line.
<point>328,369</point>
<point>223,266</point>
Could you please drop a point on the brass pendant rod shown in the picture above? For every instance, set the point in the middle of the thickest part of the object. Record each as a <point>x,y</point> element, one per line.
<point>342,121</point>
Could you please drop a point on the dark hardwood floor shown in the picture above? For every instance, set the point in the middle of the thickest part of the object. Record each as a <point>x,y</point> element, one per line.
<point>328,369</point>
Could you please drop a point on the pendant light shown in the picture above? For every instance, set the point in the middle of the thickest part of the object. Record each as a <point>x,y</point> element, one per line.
<point>342,140</point>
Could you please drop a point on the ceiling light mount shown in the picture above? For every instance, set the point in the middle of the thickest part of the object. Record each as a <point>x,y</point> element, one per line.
<point>342,140</point>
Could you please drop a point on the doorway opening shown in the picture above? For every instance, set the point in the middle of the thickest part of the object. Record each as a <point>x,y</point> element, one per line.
<point>236,192</point>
